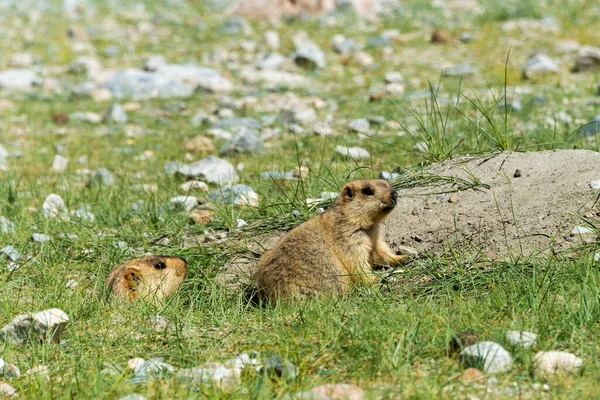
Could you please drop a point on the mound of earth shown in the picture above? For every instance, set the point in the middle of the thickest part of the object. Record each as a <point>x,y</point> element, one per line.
<point>533,203</point>
<point>529,205</point>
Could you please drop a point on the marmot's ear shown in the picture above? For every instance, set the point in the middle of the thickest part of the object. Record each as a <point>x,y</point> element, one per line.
<point>347,192</point>
<point>132,279</point>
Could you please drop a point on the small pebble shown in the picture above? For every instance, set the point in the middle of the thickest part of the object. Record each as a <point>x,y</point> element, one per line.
<point>595,185</point>
<point>521,338</point>
<point>40,238</point>
<point>517,173</point>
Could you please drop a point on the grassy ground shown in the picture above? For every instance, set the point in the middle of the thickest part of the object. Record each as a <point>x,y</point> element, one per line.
<point>394,344</point>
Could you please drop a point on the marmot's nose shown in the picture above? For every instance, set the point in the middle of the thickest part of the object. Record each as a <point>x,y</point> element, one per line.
<point>394,197</point>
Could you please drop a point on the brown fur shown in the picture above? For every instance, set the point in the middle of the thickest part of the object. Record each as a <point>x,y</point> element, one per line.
<point>152,277</point>
<point>333,251</point>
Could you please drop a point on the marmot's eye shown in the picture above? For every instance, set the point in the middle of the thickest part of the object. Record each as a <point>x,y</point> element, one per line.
<point>368,191</point>
<point>160,265</point>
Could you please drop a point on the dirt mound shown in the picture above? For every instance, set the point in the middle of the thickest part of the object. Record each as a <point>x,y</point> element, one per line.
<point>519,215</point>
<point>533,203</point>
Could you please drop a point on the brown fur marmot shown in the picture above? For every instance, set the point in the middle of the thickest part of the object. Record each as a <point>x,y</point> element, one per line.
<point>152,277</point>
<point>332,251</point>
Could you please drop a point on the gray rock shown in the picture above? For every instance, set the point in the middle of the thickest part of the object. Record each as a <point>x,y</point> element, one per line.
<point>115,114</point>
<point>393,77</point>
<point>141,85</point>
<point>18,79</point>
<point>83,90</point>
<point>299,115</point>
<point>490,357</point>
<point>233,124</point>
<point>7,390</point>
<point>551,363</point>
<point>6,226</point>
<point>360,125</point>
<point>159,324</point>
<point>593,184</point>
<point>352,153</point>
<point>379,41</point>
<point>277,175</point>
<point>111,51</point>
<point>237,195</point>
<point>461,69</point>
<point>102,177</point>
<point>88,117</point>
<point>236,25</point>
<point>196,77</point>
<point>213,170</point>
<point>185,203</point>
<point>11,253</point>
<point>521,338</point>
<point>308,54</point>
<point>539,65</point>
<point>199,118</point>
<point>588,59</point>
<point>43,326</point>
<point>244,140</point>
<point>151,369</point>
<point>54,207</point>
<point>177,167</point>
<point>271,61</point>
<point>8,371</point>
<point>280,367</point>
<point>343,45</point>
<point>154,62</point>
<point>59,165</point>
<point>590,129</point>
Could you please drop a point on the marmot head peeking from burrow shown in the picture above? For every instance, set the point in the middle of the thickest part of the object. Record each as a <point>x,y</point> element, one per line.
<point>152,277</point>
<point>332,251</point>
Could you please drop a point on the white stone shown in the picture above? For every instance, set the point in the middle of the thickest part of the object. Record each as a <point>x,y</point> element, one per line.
<point>240,223</point>
<point>521,338</point>
<point>59,164</point>
<point>11,253</point>
<point>272,39</point>
<point>494,358</point>
<point>194,185</point>
<point>89,117</point>
<point>6,390</point>
<point>223,377</point>
<point>595,185</point>
<point>242,361</point>
<point>186,202</point>
<point>360,125</point>
<point>353,153</point>
<point>581,230</point>
<point>71,284</point>
<point>6,226</point>
<point>539,65</point>
<point>45,325</point>
<point>548,363</point>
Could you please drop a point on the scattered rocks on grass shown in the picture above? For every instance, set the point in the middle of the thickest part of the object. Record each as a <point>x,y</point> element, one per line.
<point>490,356</point>
<point>152,369</point>
<point>216,373</point>
<point>551,363</point>
<point>46,325</point>
<point>141,85</point>
<point>521,338</point>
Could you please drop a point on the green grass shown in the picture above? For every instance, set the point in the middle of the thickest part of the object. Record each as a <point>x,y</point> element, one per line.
<point>392,340</point>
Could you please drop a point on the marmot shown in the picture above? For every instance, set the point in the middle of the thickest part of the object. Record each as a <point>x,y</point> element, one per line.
<point>152,277</point>
<point>330,252</point>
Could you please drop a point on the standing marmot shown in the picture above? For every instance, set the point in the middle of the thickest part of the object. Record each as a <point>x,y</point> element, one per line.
<point>332,251</point>
<point>152,277</point>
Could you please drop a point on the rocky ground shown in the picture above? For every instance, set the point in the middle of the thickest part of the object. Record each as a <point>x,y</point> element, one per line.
<point>204,130</point>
